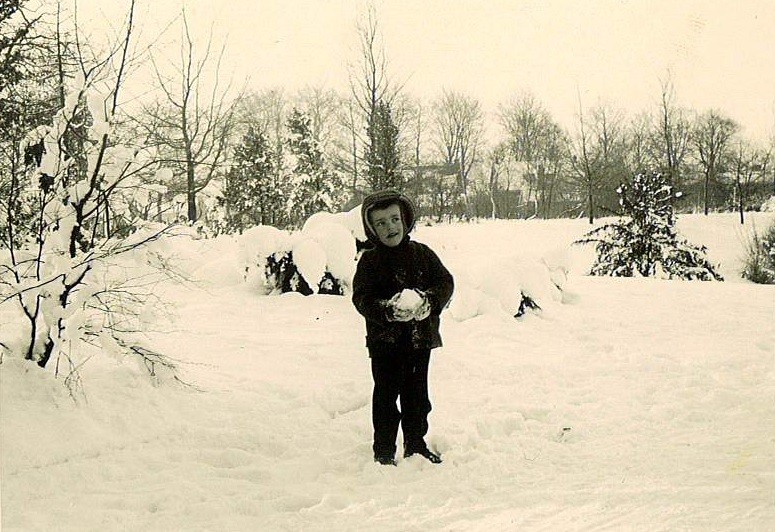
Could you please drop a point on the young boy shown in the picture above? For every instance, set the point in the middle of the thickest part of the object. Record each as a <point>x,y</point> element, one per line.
<point>400,287</point>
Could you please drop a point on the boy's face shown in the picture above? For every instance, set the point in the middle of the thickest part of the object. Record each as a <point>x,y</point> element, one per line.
<point>388,225</point>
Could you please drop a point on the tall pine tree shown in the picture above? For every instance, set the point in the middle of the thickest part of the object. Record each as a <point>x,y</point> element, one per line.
<point>250,196</point>
<point>383,158</point>
<point>313,187</point>
<point>645,242</point>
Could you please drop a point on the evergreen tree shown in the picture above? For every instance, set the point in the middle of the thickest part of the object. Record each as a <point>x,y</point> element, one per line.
<point>646,243</point>
<point>382,157</point>
<point>314,187</point>
<point>249,194</point>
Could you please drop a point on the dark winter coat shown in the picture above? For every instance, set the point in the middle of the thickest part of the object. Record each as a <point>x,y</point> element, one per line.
<point>384,271</point>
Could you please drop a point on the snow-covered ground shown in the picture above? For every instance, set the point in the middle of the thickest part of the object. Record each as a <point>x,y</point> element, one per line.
<point>634,404</point>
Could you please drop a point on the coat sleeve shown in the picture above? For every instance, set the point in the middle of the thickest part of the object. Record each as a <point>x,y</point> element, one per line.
<point>442,283</point>
<point>364,295</point>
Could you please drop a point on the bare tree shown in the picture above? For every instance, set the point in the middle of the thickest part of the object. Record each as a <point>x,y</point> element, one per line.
<point>750,166</point>
<point>711,137</point>
<point>369,81</point>
<point>458,130</point>
<point>672,135</point>
<point>192,124</point>
<point>373,92</point>
<point>599,156</point>
<point>265,111</point>
<point>351,143</point>
<point>638,144</point>
<point>416,116</point>
<point>495,160</point>
<point>323,107</point>
<point>28,97</point>
<point>538,142</point>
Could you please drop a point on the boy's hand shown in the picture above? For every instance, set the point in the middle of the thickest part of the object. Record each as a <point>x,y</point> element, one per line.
<point>424,310</point>
<point>402,314</point>
<point>395,312</point>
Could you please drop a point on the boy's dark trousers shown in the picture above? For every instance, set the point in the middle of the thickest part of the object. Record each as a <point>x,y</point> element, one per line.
<point>400,372</point>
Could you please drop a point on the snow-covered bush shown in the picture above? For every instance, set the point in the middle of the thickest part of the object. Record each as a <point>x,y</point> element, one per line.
<point>759,263</point>
<point>645,242</point>
<point>77,221</point>
<point>515,286</point>
<point>321,258</point>
<point>769,205</point>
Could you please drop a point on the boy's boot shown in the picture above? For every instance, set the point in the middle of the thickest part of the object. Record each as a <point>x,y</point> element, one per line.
<point>425,453</point>
<point>385,460</point>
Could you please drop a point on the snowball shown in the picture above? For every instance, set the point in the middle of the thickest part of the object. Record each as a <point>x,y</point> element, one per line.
<point>409,300</point>
<point>310,259</point>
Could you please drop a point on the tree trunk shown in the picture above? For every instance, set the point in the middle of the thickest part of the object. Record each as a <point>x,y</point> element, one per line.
<point>550,199</point>
<point>191,193</point>
<point>590,203</point>
<point>47,351</point>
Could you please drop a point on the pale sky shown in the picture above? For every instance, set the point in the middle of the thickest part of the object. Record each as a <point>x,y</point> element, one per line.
<point>719,53</point>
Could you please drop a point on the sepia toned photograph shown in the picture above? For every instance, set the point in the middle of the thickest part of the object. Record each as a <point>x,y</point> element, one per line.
<point>387,265</point>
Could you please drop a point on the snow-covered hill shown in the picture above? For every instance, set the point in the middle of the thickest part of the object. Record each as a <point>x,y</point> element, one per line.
<point>631,404</point>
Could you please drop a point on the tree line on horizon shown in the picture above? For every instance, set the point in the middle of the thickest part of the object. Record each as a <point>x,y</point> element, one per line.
<point>229,158</point>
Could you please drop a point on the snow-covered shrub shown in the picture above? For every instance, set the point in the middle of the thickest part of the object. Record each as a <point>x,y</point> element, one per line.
<point>759,263</point>
<point>321,258</point>
<point>645,242</point>
<point>769,205</point>
<point>515,286</point>
<point>282,275</point>
<point>79,221</point>
<point>255,247</point>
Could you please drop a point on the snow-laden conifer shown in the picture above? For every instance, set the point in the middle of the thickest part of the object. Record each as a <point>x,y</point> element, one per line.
<point>645,242</point>
<point>313,186</point>
<point>250,195</point>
